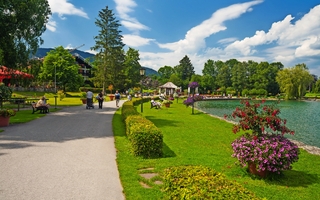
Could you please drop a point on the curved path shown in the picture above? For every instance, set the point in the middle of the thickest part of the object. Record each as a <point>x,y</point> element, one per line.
<point>68,154</point>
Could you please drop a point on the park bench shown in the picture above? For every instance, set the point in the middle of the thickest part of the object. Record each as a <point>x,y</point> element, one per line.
<point>41,109</point>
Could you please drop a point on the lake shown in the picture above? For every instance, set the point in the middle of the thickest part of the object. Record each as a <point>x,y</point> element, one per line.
<point>302,116</point>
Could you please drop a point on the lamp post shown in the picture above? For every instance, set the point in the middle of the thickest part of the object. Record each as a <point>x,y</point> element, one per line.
<point>142,73</point>
<point>55,79</point>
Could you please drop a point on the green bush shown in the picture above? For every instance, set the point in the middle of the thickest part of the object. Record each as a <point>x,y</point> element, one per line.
<point>61,94</point>
<point>198,182</point>
<point>145,138</point>
<point>128,110</point>
<point>5,92</point>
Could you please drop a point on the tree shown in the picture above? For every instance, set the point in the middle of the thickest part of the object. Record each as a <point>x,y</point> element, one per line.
<point>176,80</point>
<point>35,69</point>
<point>208,83</point>
<point>110,56</point>
<point>273,86</point>
<point>223,75</point>
<point>22,23</point>
<point>312,84</point>
<point>239,77</point>
<point>185,69</point>
<point>132,67</point>
<point>59,66</point>
<point>317,87</point>
<point>165,73</point>
<point>294,81</point>
<point>210,68</point>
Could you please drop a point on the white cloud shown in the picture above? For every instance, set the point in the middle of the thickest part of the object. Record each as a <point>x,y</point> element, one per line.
<point>133,25</point>
<point>51,25</point>
<point>305,49</point>
<point>294,40</point>
<point>135,40</point>
<point>124,7</point>
<point>227,40</point>
<point>63,7</point>
<point>195,38</point>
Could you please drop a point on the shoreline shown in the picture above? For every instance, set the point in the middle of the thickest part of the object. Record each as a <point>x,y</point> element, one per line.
<point>310,149</point>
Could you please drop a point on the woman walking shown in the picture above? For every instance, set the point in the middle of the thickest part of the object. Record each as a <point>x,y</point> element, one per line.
<point>117,97</point>
<point>100,99</point>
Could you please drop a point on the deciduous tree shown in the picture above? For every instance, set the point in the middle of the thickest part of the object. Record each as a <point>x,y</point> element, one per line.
<point>294,81</point>
<point>22,23</point>
<point>59,66</point>
<point>132,67</point>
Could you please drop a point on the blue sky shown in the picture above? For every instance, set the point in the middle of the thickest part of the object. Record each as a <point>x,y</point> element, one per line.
<point>164,31</point>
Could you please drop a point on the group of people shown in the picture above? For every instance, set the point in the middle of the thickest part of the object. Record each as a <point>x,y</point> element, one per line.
<point>100,98</point>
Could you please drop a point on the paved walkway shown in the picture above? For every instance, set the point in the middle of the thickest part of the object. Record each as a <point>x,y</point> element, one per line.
<point>68,154</point>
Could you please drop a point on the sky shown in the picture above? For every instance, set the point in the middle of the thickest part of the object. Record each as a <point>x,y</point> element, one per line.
<point>164,31</point>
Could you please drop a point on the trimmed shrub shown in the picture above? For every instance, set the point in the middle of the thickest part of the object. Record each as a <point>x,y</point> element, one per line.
<point>128,110</point>
<point>145,138</point>
<point>198,182</point>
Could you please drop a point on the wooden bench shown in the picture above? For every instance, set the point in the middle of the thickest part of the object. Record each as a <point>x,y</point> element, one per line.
<point>41,109</point>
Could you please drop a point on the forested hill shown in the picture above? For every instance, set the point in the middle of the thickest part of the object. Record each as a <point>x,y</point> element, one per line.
<point>42,52</point>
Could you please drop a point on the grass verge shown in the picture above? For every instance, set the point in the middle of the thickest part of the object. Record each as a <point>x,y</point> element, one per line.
<point>200,139</point>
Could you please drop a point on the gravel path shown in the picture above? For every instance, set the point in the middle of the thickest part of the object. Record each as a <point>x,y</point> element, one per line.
<point>68,154</point>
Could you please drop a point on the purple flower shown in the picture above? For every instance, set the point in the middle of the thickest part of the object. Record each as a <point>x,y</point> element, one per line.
<point>193,85</point>
<point>280,154</point>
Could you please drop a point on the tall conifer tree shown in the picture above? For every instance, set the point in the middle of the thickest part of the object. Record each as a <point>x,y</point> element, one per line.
<point>109,69</point>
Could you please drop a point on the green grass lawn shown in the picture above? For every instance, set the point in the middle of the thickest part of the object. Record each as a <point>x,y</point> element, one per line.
<point>24,116</point>
<point>203,140</point>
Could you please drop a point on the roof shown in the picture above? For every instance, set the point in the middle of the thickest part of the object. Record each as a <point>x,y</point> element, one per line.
<point>168,85</point>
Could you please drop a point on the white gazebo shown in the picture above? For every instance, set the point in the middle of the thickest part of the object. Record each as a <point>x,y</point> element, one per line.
<point>169,88</point>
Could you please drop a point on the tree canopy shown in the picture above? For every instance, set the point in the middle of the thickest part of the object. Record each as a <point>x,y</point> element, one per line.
<point>22,23</point>
<point>294,81</point>
<point>60,68</point>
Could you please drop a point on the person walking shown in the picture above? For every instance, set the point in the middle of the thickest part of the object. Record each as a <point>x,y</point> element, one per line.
<point>117,97</point>
<point>100,99</point>
<point>89,98</point>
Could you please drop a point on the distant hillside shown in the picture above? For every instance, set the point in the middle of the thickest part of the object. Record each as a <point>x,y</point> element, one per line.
<point>42,52</point>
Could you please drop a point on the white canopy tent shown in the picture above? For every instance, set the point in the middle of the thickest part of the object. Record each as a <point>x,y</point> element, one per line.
<point>169,88</point>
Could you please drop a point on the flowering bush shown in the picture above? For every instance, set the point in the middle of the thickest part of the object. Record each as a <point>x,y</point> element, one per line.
<point>193,85</point>
<point>251,117</point>
<point>7,112</point>
<point>270,151</point>
<point>191,99</point>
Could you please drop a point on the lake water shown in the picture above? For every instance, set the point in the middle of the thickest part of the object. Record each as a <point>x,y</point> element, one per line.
<point>303,117</point>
